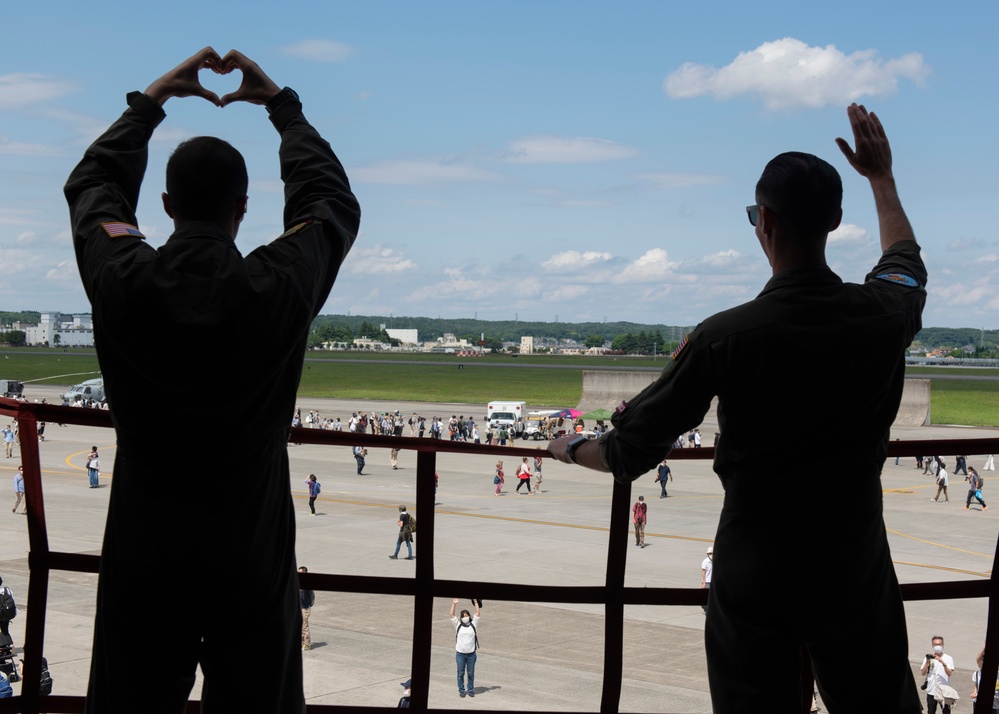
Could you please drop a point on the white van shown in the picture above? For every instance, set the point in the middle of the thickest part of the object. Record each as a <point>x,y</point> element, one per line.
<point>91,389</point>
<point>506,413</point>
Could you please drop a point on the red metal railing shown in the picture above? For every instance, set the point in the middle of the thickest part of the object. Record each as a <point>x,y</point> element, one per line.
<point>613,594</point>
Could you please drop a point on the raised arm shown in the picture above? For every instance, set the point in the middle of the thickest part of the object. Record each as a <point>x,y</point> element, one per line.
<point>454,604</point>
<point>872,159</point>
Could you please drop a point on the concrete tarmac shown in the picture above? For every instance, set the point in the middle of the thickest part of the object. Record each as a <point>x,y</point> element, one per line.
<point>543,656</point>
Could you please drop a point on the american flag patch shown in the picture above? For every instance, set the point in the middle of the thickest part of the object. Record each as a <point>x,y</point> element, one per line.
<point>679,347</point>
<point>116,230</point>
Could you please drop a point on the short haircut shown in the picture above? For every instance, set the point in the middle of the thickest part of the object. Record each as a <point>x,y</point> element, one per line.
<point>803,191</point>
<point>205,178</point>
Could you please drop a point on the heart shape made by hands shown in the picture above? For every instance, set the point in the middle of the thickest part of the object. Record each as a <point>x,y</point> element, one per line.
<point>222,84</point>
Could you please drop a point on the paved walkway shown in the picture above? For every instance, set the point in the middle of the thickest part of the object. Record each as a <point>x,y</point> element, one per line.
<point>533,655</point>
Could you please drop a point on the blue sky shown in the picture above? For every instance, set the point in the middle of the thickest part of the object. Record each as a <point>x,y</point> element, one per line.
<point>567,161</point>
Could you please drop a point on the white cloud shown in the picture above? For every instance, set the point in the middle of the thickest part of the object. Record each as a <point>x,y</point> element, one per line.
<point>668,180</point>
<point>568,292</point>
<point>787,73</point>
<point>411,172</point>
<point>564,150</point>
<point>17,148</point>
<point>378,260</point>
<point>22,90</point>
<point>848,234</point>
<point>319,50</point>
<point>653,265</point>
<point>17,217</point>
<point>716,261</point>
<point>64,271</point>
<point>469,289</point>
<point>959,244</point>
<point>990,258</point>
<point>27,238</point>
<point>574,260</point>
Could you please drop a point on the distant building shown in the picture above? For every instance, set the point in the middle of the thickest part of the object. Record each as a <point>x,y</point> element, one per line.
<point>57,330</point>
<point>447,344</point>
<point>406,337</point>
<point>526,345</point>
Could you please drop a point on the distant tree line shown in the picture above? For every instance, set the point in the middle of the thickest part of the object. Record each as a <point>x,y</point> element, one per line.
<point>627,335</point>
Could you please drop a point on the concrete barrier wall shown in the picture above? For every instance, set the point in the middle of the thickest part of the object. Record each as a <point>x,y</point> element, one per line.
<point>915,407</point>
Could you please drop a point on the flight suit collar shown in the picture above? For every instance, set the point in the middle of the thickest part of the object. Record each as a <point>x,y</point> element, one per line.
<point>201,230</point>
<point>802,276</point>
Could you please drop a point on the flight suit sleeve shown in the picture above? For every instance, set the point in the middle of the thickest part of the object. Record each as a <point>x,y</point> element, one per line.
<point>103,190</point>
<point>900,276</point>
<point>321,214</point>
<point>647,426</point>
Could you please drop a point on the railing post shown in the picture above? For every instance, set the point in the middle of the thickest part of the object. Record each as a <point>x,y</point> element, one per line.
<point>423,617</point>
<point>38,561</point>
<point>617,557</point>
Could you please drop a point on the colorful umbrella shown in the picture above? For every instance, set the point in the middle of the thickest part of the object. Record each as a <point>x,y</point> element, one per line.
<point>565,414</point>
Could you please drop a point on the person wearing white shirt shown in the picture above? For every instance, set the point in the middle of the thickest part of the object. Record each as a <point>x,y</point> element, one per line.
<point>466,641</point>
<point>706,566</point>
<point>937,668</point>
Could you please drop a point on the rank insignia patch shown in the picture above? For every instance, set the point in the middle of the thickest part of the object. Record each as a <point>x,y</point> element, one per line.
<point>116,230</point>
<point>294,229</point>
<point>899,279</point>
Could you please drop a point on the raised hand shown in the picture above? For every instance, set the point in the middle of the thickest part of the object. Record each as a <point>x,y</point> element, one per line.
<point>872,157</point>
<point>182,80</point>
<point>256,87</point>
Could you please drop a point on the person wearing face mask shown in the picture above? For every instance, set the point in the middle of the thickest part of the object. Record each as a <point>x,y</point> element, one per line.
<point>466,641</point>
<point>937,668</point>
<point>406,694</point>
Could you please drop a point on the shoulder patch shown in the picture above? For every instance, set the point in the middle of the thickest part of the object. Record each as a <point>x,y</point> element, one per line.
<point>621,407</point>
<point>898,279</point>
<point>294,229</point>
<point>116,230</point>
<point>679,348</point>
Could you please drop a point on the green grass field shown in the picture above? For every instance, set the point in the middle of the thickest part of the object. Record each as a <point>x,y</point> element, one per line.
<point>438,379</point>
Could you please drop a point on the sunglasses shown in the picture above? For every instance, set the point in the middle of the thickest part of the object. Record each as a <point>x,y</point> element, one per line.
<point>753,212</point>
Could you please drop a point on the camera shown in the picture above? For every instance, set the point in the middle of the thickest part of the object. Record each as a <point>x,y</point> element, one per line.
<point>929,656</point>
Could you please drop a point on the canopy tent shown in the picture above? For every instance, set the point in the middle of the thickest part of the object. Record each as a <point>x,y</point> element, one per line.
<point>599,414</point>
<point>565,414</point>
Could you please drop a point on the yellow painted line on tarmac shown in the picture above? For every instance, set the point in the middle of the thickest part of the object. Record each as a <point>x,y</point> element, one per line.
<point>510,519</point>
<point>986,574</point>
<point>939,545</point>
<point>908,489</point>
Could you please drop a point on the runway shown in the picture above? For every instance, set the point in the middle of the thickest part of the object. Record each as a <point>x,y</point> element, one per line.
<point>534,655</point>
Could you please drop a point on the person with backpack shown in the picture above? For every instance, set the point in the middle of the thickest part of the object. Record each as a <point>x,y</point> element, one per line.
<point>975,484</point>
<point>466,642</point>
<point>8,610</point>
<point>314,490</point>
<point>407,526</point>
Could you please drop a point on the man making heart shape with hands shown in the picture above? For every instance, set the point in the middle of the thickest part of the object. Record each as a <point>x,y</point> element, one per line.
<point>202,571</point>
